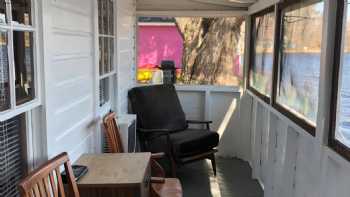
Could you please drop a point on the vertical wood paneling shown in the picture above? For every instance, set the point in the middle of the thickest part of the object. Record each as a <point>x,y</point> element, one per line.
<point>308,167</point>
<point>271,162</point>
<point>265,138</point>
<point>257,139</point>
<point>336,177</point>
<point>285,185</point>
<point>244,124</point>
<point>291,163</point>
<point>193,104</point>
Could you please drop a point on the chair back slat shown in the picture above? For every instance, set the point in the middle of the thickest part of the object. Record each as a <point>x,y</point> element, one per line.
<point>46,181</point>
<point>71,178</point>
<point>41,188</point>
<point>114,142</point>
<point>36,191</point>
<point>60,183</point>
<point>53,184</point>
<point>46,185</point>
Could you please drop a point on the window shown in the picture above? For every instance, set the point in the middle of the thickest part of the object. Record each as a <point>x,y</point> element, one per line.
<point>4,72</point>
<point>104,91</point>
<point>340,125</point>
<point>106,40</point>
<point>299,62</point>
<point>24,66</point>
<point>196,51</point>
<point>260,72</point>
<point>12,155</point>
<point>2,12</point>
<point>18,86</point>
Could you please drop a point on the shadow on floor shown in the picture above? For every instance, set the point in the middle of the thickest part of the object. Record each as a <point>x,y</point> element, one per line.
<point>233,179</point>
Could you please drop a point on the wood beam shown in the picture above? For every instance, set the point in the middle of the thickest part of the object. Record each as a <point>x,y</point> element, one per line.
<point>192,13</point>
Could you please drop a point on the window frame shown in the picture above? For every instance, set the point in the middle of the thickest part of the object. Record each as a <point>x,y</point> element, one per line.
<point>265,98</point>
<point>341,21</point>
<point>293,116</point>
<point>10,27</point>
<point>111,75</point>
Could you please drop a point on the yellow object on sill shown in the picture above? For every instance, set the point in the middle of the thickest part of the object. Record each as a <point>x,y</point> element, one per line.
<point>144,75</point>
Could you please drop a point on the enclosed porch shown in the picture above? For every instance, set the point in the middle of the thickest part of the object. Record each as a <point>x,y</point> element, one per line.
<point>278,105</point>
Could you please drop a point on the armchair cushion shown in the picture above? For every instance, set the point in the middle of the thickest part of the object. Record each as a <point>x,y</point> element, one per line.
<point>157,107</point>
<point>188,142</point>
<point>192,141</point>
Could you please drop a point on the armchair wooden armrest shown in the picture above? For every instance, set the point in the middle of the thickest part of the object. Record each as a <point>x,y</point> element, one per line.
<point>157,155</point>
<point>157,180</point>
<point>143,130</point>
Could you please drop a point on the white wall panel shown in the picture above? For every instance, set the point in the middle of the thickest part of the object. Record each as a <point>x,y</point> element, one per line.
<point>69,19</point>
<point>265,139</point>
<point>277,168</point>
<point>126,51</point>
<point>288,161</point>
<point>67,44</point>
<point>193,104</point>
<point>220,105</point>
<point>336,175</point>
<point>272,155</point>
<point>243,127</point>
<point>289,155</point>
<point>76,66</point>
<point>69,78</point>
<point>256,141</point>
<point>308,167</point>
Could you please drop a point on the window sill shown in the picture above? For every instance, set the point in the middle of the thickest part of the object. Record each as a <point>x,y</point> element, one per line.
<point>305,125</point>
<point>261,96</point>
<point>340,148</point>
<point>4,115</point>
<point>104,109</point>
<point>287,116</point>
<point>201,88</point>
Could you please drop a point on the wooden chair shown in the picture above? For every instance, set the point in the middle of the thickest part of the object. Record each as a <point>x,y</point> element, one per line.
<point>46,181</point>
<point>161,186</point>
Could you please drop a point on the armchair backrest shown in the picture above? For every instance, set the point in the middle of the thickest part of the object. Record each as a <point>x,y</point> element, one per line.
<point>157,107</point>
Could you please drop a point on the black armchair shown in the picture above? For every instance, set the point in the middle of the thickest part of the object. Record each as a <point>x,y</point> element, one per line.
<point>162,126</point>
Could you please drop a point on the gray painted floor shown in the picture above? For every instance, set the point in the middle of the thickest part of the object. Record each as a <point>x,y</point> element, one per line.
<point>233,179</point>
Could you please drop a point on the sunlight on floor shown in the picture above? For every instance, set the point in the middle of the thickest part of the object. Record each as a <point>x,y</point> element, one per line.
<point>214,186</point>
<point>233,179</point>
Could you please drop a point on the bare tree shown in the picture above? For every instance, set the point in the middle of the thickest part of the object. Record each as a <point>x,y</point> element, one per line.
<point>210,46</point>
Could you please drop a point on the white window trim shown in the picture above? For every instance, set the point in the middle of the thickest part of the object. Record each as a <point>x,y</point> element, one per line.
<point>10,27</point>
<point>111,76</point>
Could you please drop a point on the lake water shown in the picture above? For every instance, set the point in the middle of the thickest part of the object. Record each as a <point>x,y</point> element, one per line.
<point>343,133</point>
<point>303,75</point>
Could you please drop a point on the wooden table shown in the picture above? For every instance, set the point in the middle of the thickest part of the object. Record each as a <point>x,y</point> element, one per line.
<point>115,175</point>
